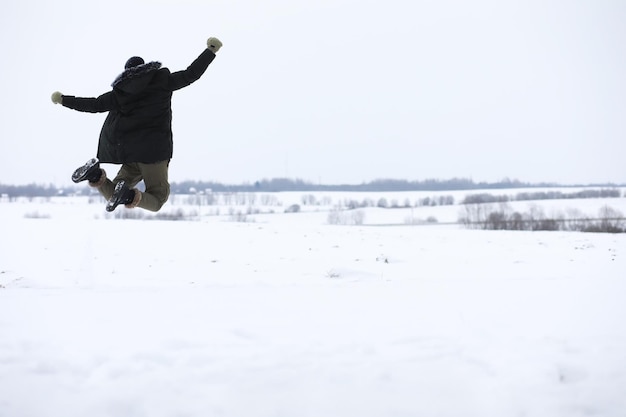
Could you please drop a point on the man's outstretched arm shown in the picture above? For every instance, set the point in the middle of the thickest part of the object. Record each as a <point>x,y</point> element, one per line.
<point>183,78</point>
<point>103,103</point>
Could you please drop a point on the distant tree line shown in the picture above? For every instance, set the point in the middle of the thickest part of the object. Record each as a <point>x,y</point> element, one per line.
<point>286,184</point>
<point>489,217</point>
<point>30,190</point>
<point>486,198</point>
<point>380,185</point>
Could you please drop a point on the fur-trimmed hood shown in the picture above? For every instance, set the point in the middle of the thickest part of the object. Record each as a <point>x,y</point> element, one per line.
<point>135,78</point>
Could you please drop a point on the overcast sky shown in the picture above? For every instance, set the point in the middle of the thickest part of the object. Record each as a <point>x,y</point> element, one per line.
<point>331,91</point>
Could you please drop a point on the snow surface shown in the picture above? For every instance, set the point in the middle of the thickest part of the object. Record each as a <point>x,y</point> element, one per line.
<point>287,315</point>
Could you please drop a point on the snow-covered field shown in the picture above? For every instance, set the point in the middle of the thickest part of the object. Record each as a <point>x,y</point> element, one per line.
<point>283,314</point>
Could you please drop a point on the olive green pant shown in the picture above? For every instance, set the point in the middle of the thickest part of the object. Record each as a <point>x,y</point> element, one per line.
<point>154,177</point>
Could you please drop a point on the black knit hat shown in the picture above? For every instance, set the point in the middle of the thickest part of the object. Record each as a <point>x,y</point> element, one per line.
<point>133,62</point>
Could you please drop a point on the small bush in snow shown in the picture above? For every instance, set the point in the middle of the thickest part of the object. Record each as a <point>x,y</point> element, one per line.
<point>36,215</point>
<point>240,217</point>
<point>345,217</point>
<point>333,274</point>
<point>175,215</point>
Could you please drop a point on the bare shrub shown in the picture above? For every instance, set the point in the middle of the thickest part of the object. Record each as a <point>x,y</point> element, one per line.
<point>550,225</point>
<point>176,215</point>
<point>475,216</point>
<point>610,221</point>
<point>483,198</point>
<point>36,215</point>
<point>127,214</point>
<point>240,217</point>
<point>410,220</point>
<point>337,216</point>
<point>270,200</point>
<point>308,200</point>
<point>358,217</point>
<point>334,216</point>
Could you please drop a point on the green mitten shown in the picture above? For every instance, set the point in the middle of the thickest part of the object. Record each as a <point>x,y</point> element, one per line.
<point>214,44</point>
<point>57,98</point>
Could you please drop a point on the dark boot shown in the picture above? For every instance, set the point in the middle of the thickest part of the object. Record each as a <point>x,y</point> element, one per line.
<point>90,171</point>
<point>121,195</point>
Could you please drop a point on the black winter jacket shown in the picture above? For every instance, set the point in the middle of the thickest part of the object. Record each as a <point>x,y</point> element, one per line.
<point>138,127</point>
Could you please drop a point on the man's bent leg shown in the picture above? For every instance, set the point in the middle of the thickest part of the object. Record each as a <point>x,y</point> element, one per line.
<point>103,184</point>
<point>128,172</point>
<point>105,188</point>
<point>155,176</point>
